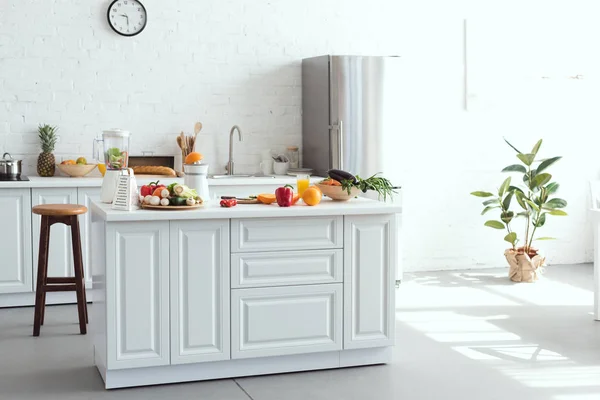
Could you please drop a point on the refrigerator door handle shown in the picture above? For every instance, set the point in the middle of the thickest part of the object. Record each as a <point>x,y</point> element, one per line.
<point>341,144</point>
<point>337,145</point>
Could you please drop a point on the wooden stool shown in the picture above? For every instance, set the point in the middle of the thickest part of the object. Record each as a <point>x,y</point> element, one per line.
<point>59,214</point>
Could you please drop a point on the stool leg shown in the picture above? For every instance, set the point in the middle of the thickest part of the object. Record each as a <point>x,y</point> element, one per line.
<point>40,293</point>
<point>83,279</point>
<point>77,261</point>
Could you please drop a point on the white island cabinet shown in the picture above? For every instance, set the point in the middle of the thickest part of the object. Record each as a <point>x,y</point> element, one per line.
<point>249,290</point>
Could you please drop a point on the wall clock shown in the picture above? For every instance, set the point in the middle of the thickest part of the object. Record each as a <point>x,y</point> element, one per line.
<point>127,17</point>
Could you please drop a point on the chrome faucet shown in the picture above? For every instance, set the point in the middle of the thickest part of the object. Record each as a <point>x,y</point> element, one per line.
<point>230,163</point>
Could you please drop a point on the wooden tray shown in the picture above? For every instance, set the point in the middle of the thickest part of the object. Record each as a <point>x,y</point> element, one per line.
<point>171,208</point>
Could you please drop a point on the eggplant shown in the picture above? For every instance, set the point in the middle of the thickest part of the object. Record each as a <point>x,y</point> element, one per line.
<point>340,175</point>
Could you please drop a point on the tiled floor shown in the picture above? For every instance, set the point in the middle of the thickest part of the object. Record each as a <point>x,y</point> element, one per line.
<point>468,335</point>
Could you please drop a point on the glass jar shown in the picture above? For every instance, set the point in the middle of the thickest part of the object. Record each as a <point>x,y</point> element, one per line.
<point>294,156</point>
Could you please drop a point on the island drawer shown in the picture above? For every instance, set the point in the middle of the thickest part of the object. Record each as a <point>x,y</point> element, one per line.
<point>283,268</point>
<point>286,320</point>
<point>272,234</point>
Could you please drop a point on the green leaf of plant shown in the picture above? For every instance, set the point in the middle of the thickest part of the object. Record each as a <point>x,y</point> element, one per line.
<point>511,238</point>
<point>495,224</point>
<point>545,238</point>
<point>532,204</point>
<point>551,188</point>
<point>507,217</point>
<point>555,203</point>
<point>515,168</point>
<point>541,180</point>
<point>548,162</point>
<point>537,146</point>
<point>523,214</point>
<point>504,187</point>
<point>482,194</point>
<point>488,208</point>
<point>527,159</point>
<point>507,199</point>
<point>513,147</point>
<point>540,221</point>
<point>521,200</point>
<point>558,212</point>
<point>515,189</point>
<point>491,201</point>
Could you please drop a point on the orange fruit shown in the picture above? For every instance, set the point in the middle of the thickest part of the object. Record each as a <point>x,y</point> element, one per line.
<point>296,198</point>
<point>312,196</point>
<point>266,198</point>
<point>193,157</point>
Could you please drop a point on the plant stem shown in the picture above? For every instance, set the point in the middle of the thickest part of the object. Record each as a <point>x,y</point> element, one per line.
<point>531,240</point>
<point>526,247</point>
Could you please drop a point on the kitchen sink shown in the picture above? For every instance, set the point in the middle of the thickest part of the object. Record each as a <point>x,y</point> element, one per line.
<point>239,176</point>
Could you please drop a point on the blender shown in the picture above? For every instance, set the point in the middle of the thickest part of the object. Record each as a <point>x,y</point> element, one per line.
<point>115,145</point>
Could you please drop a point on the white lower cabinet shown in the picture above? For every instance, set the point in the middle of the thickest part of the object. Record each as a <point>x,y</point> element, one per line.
<point>137,300</point>
<point>60,253</point>
<point>85,197</point>
<point>15,241</point>
<point>369,280</point>
<point>286,320</point>
<point>199,291</point>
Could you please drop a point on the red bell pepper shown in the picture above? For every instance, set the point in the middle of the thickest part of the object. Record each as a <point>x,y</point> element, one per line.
<point>228,203</point>
<point>150,188</point>
<point>285,196</point>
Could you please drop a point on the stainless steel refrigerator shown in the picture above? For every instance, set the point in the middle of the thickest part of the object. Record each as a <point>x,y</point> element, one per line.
<point>350,112</point>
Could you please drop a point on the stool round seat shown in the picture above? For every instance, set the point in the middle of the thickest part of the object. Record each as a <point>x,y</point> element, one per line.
<point>59,210</point>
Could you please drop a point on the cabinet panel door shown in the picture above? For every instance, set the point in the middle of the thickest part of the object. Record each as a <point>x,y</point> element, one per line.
<point>85,197</point>
<point>60,254</point>
<point>199,291</point>
<point>286,320</point>
<point>273,234</point>
<point>286,268</point>
<point>137,303</point>
<point>369,280</point>
<point>15,241</point>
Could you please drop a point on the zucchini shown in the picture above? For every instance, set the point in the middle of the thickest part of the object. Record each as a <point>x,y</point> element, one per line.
<point>177,201</point>
<point>340,175</point>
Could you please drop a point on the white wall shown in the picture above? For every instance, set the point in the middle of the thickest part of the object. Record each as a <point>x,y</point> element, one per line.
<point>216,61</point>
<point>238,62</point>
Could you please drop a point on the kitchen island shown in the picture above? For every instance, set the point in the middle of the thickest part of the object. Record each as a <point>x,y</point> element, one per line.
<point>254,289</point>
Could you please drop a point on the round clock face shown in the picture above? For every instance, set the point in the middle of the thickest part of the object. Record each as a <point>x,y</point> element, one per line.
<point>127,17</point>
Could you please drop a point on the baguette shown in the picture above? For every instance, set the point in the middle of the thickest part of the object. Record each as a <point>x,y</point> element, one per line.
<point>154,170</point>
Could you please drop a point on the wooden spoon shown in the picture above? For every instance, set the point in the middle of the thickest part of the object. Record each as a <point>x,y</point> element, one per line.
<point>197,127</point>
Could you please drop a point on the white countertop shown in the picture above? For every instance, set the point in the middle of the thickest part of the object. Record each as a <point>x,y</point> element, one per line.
<point>212,210</point>
<point>96,181</point>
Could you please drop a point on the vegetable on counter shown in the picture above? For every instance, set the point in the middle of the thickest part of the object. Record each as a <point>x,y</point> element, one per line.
<point>228,203</point>
<point>382,186</point>
<point>285,196</point>
<point>184,191</point>
<point>266,198</point>
<point>312,196</point>
<point>150,188</point>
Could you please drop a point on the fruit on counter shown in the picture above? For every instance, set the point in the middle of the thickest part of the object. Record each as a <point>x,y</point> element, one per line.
<point>330,182</point>
<point>285,195</point>
<point>81,160</point>
<point>266,198</point>
<point>68,162</point>
<point>46,160</point>
<point>193,157</point>
<point>150,188</point>
<point>312,196</point>
<point>295,199</point>
<point>228,203</point>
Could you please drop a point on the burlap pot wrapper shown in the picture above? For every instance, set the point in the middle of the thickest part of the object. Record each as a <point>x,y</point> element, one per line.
<point>523,268</point>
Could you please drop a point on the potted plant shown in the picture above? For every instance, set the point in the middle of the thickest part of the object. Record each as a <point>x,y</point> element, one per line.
<point>534,201</point>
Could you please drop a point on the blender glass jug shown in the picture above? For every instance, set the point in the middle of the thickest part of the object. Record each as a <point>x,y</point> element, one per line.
<point>115,145</point>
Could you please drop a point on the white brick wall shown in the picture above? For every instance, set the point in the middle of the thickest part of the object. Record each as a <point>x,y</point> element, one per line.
<point>226,62</point>
<point>218,62</point>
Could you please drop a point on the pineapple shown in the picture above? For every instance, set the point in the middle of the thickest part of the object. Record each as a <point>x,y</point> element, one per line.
<point>46,162</point>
